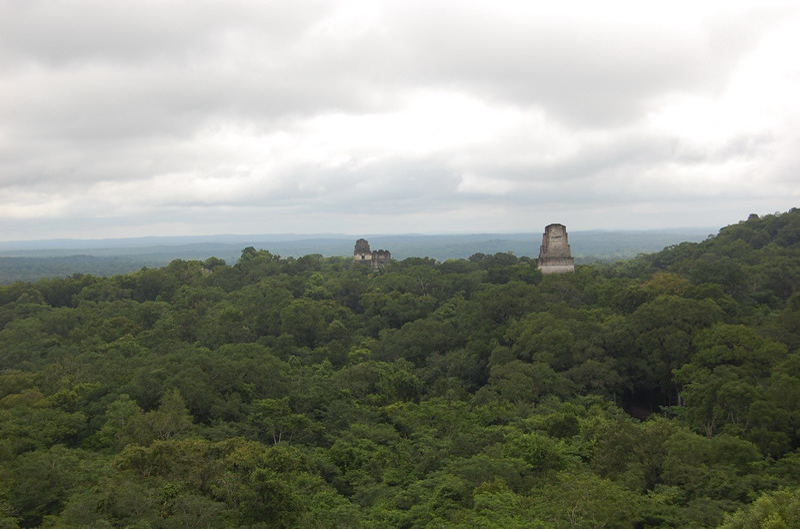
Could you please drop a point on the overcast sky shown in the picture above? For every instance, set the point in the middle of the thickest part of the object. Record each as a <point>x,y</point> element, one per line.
<point>182,117</point>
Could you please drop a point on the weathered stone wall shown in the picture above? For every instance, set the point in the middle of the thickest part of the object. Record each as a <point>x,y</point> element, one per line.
<point>361,253</point>
<point>555,256</point>
<point>376,258</point>
<point>381,256</point>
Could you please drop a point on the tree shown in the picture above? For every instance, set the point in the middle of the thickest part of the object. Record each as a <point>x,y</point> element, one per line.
<point>775,510</point>
<point>275,420</point>
<point>580,499</point>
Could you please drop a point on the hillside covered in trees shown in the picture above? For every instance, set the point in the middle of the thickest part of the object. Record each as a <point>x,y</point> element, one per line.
<point>662,391</point>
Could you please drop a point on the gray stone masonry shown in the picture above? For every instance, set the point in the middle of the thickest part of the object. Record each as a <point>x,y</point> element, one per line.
<point>554,254</point>
<point>361,254</point>
<point>376,258</point>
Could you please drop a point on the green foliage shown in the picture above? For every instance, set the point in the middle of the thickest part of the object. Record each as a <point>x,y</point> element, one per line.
<point>311,392</point>
<point>584,500</point>
<point>775,510</point>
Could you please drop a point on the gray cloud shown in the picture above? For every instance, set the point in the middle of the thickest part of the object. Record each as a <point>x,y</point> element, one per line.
<point>151,114</point>
<point>90,31</point>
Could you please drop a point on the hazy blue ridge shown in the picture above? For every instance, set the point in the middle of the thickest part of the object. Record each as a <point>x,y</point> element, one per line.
<point>31,260</point>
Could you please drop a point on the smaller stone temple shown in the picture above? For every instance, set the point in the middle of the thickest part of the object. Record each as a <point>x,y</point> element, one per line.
<point>554,254</point>
<point>376,258</point>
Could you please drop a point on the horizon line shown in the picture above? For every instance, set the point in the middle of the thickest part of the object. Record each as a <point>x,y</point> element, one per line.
<point>334,235</point>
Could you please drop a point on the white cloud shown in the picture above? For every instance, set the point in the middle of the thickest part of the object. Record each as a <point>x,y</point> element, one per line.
<point>427,116</point>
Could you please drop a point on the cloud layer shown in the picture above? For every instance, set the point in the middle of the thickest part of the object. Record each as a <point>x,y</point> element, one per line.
<point>179,117</point>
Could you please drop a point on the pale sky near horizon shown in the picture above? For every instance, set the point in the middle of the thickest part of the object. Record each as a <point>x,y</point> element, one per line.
<point>179,117</point>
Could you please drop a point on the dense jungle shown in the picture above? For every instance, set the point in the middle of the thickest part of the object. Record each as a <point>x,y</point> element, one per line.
<point>660,391</point>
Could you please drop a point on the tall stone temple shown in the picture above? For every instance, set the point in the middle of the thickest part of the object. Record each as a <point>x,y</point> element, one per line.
<point>554,254</point>
<point>376,258</point>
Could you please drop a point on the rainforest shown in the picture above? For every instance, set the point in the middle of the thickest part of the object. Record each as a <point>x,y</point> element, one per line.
<point>659,391</point>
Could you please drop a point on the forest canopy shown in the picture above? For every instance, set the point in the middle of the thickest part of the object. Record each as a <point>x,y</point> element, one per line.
<point>662,391</point>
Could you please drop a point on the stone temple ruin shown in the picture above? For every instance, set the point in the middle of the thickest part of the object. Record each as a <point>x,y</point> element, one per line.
<point>554,254</point>
<point>376,258</point>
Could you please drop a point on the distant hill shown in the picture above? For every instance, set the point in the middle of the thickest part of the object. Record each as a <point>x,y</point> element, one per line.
<point>31,260</point>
